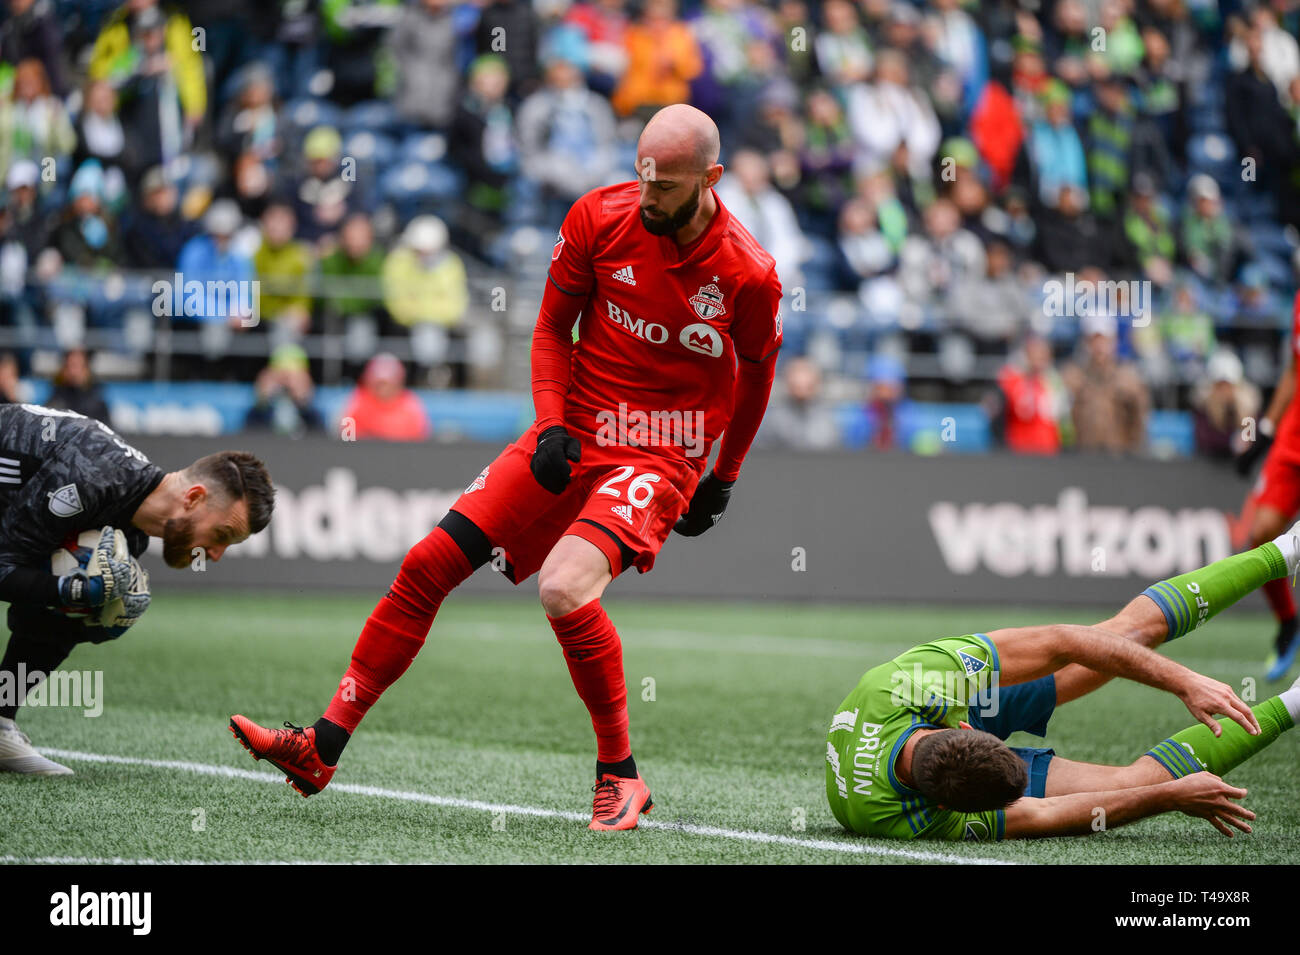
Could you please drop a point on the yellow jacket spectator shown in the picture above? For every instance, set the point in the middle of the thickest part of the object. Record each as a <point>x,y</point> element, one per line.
<point>116,57</point>
<point>282,266</point>
<point>423,280</point>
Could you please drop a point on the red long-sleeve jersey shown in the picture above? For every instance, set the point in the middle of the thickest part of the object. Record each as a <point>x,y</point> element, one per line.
<point>665,329</point>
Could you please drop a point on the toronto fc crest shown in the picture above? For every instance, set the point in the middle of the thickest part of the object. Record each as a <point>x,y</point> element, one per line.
<point>707,302</point>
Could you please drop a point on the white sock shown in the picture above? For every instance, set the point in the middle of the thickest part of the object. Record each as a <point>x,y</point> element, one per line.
<point>1291,700</point>
<point>1289,545</point>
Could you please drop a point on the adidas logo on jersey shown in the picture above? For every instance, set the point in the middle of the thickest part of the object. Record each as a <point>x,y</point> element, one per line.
<point>625,275</point>
<point>624,511</point>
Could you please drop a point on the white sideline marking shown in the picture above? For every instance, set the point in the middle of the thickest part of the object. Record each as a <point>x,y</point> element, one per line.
<point>453,802</point>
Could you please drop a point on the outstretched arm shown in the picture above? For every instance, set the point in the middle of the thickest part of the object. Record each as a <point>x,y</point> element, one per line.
<point>1203,795</point>
<point>1027,653</point>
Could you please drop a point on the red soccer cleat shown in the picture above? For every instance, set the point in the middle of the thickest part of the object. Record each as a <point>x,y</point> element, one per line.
<point>618,803</point>
<point>291,750</point>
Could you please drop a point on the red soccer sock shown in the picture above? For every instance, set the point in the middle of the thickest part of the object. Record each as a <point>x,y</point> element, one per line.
<point>398,626</point>
<point>1278,593</point>
<point>594,654</point>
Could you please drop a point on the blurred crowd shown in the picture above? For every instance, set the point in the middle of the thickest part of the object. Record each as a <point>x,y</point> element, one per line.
<point>923,173</point>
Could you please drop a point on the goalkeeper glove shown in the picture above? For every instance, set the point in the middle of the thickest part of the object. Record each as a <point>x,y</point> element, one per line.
<point>550,463</point>
<point>1258,448</point>
<point>707,506</point>
<point>79,591</point>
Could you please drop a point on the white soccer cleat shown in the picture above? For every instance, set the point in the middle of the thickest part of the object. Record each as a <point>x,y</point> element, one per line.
<point>18,755</point>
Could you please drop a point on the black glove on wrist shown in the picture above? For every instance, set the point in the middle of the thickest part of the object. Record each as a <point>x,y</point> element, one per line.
<point>77,591</point>
<point>707,505</point>
<point>550,463</point>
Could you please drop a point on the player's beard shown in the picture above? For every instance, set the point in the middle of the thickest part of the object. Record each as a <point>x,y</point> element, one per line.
<point>178,539</point>
<point>677,220</point>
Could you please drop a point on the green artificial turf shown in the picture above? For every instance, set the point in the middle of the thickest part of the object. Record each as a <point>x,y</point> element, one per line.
<point>734,739</point>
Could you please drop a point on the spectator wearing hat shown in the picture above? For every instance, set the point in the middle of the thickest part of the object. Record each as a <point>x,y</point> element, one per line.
<point>886,397</point>
<point>128,49</point>
<point>100,134</point>
<point>1056,152</point>
<point>1110,134</point>
<point>33,121</point>
<point>154,231</point>
<point>482,142</point>
<point>29,223</point>
<point>424,284</point>
<point>154,114</point>
<point>75,388</point>
<point>1209,242</point>
<point>1109,402</point>
<point>322,195</point>
<point>212,257</point>
<point>282,264</point>
<point>1222,400</point>
<point>663,58</point>
<point>423,47</point>
<point>86,236</point>
<point>382,407</point>
<point>284,396</point>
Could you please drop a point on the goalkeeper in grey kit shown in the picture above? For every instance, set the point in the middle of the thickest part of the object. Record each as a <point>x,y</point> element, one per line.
<point>62,474</point>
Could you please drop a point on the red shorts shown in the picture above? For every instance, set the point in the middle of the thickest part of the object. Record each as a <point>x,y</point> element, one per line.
<point>1278,486</point>
<point>624,500</point>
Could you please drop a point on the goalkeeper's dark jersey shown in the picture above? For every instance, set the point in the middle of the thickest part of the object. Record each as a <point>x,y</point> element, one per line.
<point>60,474</point>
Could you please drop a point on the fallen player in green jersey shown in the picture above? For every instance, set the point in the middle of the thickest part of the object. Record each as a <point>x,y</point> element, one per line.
<point>916,751</point>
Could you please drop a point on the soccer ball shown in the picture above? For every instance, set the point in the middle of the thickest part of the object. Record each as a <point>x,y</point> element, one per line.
<point>75,554</point>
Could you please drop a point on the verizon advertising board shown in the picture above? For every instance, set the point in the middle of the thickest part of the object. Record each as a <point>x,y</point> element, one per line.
<point>841,526</point>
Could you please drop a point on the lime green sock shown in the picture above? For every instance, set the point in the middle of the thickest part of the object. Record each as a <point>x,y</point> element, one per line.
<point>1191,599</point>
<point>1197,748</point>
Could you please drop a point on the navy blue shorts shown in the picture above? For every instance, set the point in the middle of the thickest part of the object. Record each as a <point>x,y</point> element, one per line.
<point>1022,707</point>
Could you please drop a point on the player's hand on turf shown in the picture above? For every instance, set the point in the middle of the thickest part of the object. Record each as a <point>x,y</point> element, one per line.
<point>1206,796</point>
<point>1254,451</point>
<point>1205,697</point>
<point>707,506</point>
<point>550,463</point>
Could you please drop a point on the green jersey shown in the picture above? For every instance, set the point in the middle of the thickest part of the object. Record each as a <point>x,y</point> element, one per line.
<point>930,686</point>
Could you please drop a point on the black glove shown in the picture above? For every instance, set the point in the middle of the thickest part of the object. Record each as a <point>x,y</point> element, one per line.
<point>550,463</point>
<point>1258,448</point>
<point>707,504</point>
<point>78,591</point>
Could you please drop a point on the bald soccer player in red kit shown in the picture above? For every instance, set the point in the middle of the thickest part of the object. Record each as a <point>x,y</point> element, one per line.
<point>677,345</point>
